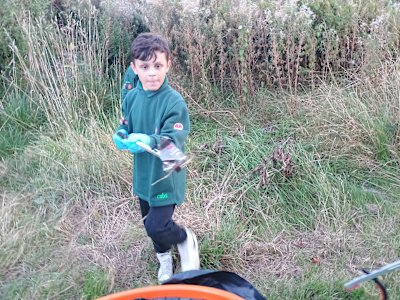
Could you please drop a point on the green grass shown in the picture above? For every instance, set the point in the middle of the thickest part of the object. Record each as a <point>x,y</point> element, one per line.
<point>95,284</point>
<point>20,122</point>
<point>288,178</point>
<point>333,208</point>
<point>326,291</point>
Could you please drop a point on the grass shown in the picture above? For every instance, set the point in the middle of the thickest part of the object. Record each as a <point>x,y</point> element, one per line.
<point>78,203</point>
<point>19,121</point>
<point>95,284</point>
<point>296,195</point>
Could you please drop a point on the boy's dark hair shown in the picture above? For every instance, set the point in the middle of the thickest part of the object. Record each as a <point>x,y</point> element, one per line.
<point>145,44</point>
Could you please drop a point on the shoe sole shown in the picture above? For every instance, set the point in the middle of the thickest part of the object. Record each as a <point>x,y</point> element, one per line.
<point>196,246</point>
<point>197,264</point>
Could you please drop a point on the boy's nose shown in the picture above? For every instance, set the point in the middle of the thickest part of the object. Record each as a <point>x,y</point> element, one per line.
<point>152,72</point>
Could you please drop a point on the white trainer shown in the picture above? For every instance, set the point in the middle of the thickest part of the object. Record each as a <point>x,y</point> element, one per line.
<point>189,252</point>
<point>165,271</point>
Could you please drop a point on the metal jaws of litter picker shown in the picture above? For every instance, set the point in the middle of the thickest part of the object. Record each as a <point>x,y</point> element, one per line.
<point>171,156</point>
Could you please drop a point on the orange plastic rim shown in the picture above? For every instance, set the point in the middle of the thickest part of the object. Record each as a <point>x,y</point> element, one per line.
<point>174,290</point>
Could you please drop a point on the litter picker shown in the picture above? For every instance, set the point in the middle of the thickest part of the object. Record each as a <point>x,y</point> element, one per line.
<point>172,158</point>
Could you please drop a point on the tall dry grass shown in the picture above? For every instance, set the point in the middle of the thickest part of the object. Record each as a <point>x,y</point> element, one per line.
<point>243,47</point>
<point>64,68</point>
<point>359,121</point>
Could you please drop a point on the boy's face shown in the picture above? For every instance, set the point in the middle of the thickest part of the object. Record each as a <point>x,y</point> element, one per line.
<point>152,73</point>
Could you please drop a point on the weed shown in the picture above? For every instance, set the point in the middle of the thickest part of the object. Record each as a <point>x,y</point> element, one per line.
<point>95,284</point>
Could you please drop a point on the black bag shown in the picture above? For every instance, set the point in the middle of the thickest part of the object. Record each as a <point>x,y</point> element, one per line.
<point>223,280</point>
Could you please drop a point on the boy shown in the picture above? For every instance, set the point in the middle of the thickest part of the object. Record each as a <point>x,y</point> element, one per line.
<point>150,111</point>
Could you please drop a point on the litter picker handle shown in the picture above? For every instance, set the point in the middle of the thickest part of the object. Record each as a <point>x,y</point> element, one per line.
<point>147,148</point>
<point>371,275</point>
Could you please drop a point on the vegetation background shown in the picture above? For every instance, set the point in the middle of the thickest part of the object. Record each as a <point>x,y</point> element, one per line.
<point>294,179</point>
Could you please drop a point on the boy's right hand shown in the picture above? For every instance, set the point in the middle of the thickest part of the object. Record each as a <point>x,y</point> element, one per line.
<point>119,141</point>
<point>137,137</point>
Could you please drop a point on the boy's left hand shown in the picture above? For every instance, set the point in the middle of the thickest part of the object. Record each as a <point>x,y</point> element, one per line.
<point>118,139</point>
<point>136,137</point>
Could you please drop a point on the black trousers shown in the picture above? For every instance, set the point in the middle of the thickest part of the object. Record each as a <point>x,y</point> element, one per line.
<point>160,227</point>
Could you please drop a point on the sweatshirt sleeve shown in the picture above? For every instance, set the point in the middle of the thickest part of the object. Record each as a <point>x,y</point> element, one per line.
<point>176,125</point>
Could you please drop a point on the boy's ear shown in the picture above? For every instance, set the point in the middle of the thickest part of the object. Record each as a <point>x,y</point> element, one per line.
<point>133,67</point>
<point>169,65</point>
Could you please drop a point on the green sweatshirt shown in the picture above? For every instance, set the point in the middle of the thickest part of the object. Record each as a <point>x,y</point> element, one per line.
<point>157,113</point>
<point>129,83</point>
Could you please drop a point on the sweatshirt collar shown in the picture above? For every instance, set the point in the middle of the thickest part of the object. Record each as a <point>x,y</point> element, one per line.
<point>153,93</point>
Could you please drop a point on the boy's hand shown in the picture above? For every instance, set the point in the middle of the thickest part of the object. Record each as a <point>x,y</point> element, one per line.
<point>136,137</point>
<point>119,141</point>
